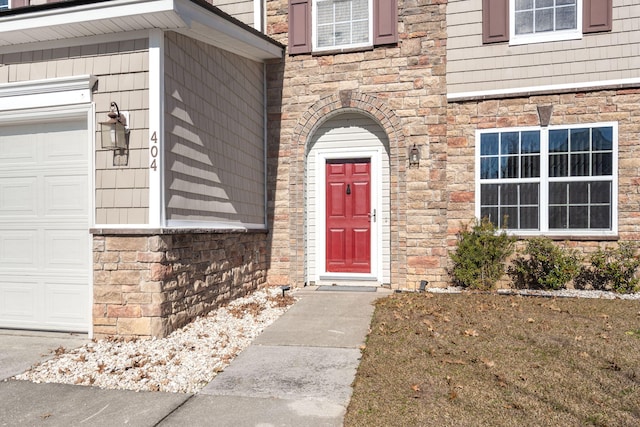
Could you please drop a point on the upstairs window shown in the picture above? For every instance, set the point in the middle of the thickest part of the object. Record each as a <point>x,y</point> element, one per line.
<point>545,20</point>
<point>559,180</point>
<point>532,21</point>
<point>336,25</point>
<point>341,23</point>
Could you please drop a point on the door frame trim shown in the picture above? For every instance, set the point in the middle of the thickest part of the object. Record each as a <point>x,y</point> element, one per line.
<point>375,156</point>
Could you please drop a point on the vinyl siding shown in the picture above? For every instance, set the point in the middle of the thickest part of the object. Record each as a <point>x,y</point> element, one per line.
<point>472,66</point>
<point>241,10</point>
<point>121,195</point>
<point>214,130</point>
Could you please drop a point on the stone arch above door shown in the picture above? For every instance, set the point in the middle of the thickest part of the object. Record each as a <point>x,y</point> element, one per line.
<point>376,109</point>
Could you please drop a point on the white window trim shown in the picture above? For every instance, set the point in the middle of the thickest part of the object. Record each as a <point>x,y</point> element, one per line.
<point>376,204</point>
<point>550,36</point>
<point>544,181</point>
<point>314,31</point>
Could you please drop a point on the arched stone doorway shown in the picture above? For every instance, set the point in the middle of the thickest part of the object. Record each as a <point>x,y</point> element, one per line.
<point>348,201</point>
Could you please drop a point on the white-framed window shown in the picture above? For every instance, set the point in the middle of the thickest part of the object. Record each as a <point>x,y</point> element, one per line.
<point>558,180</point>
<point>534,21</point>
<point>339,24</point>
<point>4,4</point>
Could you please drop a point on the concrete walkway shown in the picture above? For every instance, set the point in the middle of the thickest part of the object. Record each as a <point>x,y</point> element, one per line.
<point>297,373</point>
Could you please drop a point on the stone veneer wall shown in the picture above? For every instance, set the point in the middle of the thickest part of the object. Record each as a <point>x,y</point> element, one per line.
<point>401,86</point>
<point>622,106</point>
<point>150,285</point>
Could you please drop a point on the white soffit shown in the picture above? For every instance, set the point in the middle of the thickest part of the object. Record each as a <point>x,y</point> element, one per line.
<point>121,16</point>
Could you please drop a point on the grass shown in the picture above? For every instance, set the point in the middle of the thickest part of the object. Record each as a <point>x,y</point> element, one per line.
<point>477,359</point>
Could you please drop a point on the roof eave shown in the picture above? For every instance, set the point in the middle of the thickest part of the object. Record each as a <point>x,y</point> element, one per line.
<point>82,18</point>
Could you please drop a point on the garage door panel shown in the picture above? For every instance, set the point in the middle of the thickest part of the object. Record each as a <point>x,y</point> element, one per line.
<point>66,304</point>
<point>66,195</point>
<point>66,249</point>
<point>18,196</point>
<point>18,250</point>
<point>18,299</point>
<point>17,149</point>
<point>57,149</point>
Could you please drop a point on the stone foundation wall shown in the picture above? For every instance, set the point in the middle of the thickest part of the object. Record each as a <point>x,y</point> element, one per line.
<point>150,285</point>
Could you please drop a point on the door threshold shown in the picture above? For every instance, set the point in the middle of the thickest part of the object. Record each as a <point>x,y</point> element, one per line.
<point>344,288</point>
<point>347,282</point>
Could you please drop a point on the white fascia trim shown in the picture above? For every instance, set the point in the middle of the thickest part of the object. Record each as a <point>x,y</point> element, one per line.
<point>178,15</point>
<point>46,93</point>
<point>539,90</point>
<point>192,14</point>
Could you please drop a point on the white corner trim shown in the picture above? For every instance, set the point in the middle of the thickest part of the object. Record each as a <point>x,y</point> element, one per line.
<point>258,15</point>
<point>156,151</point>
<point>46,93</point>
<point>548,89</point>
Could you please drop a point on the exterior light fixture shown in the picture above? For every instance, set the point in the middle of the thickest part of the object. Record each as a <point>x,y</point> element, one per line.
<point>414,156</point>
<point>115,132</point>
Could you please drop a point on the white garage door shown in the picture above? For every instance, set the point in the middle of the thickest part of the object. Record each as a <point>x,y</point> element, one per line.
<point>44,226</point>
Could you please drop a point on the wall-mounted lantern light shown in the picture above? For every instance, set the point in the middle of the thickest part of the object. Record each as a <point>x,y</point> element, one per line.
<point>115,132</point>
<point>414,156</point>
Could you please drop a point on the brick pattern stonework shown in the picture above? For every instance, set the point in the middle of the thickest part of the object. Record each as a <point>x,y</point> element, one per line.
<point>403,88</point>
<point>150,285</point>
<point>622,106</point>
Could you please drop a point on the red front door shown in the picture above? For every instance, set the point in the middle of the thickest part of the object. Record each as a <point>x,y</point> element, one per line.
<point>348,216</point>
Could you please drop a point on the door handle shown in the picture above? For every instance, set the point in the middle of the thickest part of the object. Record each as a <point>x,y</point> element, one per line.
<point>348,189</point>
<point>372,215</point>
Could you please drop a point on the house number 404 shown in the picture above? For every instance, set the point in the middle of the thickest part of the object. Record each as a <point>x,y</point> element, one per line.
<point>154,152</point>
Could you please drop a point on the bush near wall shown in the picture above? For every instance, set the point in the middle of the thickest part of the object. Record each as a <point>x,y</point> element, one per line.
<point>611,269</point>
<point>544,265</point>
<point>480,255</point>
<point>482,251</point>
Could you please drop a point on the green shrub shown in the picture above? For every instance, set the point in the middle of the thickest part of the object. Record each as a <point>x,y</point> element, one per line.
<point>544,266</point>
<point>612,269</point>
<point>479,258</point>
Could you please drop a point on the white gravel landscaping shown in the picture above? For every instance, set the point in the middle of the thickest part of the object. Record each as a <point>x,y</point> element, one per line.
<point>185,361</point>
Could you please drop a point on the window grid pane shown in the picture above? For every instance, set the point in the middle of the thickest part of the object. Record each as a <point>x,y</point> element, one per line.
<point>542,16</point>
<point>578,182</point>
<point>580,205</point>
<point>342,22</point>
<point>512,206</point>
